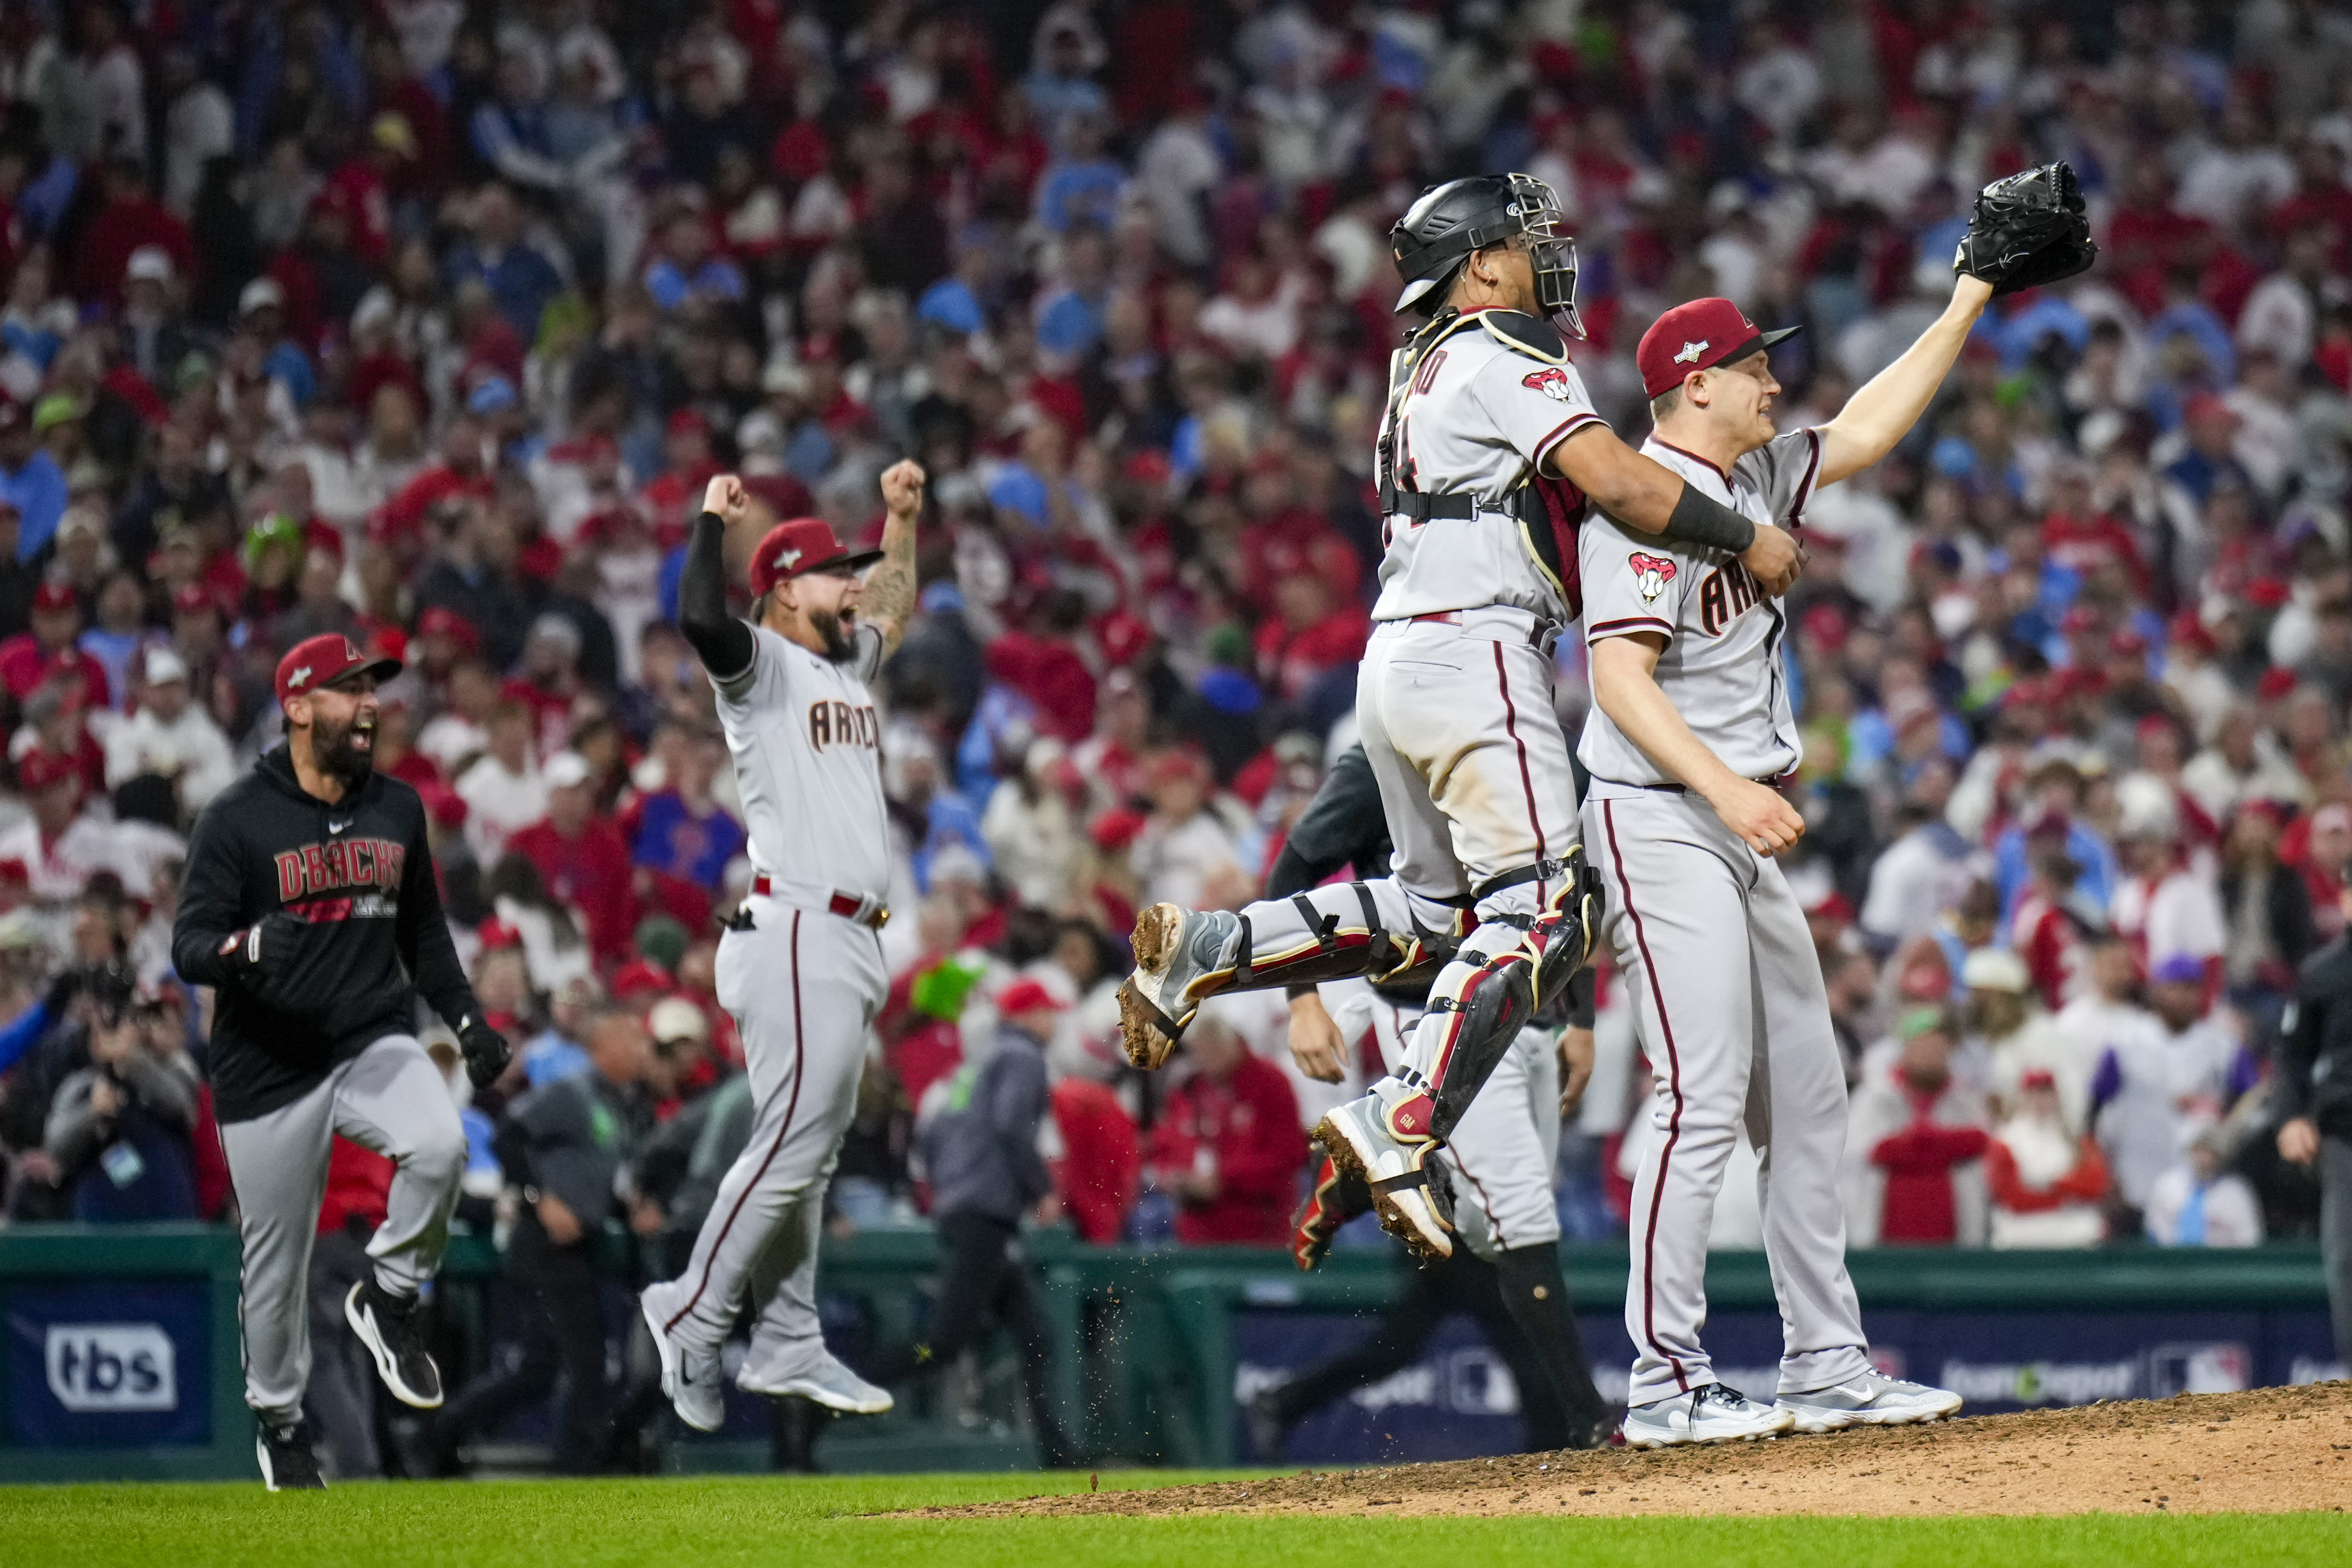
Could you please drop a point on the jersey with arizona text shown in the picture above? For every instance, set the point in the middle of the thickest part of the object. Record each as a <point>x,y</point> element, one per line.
<point>1721,667</point>
<point>807,745</point>
<point>1482,414</point>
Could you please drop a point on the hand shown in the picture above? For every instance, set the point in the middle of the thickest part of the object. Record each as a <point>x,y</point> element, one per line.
<point>644,1217</point>
<point>1774,559</point>
<point>262,944</point>
<point>2299,1140</point>
<point>726,496</point>
<point>1766,823</point>
<point>555,1217</point>
<point>1575,1067</point>
<point>902,489</point>
<point>105,1099</point>
<point>486,1051</point>
<point>1315,1041</point>
<point>1049,1210</point>
<point>2028,229</point>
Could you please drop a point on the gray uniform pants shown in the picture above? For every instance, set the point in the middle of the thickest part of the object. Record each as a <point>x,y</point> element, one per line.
<point>804,988</point>
<point>390,1099</point>
<point>1457,724</point>
<point>2335,1235</point>
<point>1728,991</point>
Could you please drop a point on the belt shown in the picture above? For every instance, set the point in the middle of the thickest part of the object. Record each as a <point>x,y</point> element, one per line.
<point>1775,782</point>
<point>1443,617</point>
<point>872,914</point>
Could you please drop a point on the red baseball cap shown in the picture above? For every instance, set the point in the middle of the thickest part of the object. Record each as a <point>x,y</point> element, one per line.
<point>440,620</point>
<point>1698,335</point>
<point>324,659</point>
<point>190,598</point>
<point>804,544</point>
<point>1026,995</point>
<point>54,595</point>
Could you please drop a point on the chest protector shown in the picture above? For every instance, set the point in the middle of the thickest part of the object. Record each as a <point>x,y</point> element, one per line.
<point>1549,510</point>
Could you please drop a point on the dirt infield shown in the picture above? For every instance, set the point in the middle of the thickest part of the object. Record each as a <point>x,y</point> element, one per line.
<point>2271,1450</point>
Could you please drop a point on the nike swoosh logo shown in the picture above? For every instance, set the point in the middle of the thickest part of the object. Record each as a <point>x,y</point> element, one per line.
<point>337,827</point>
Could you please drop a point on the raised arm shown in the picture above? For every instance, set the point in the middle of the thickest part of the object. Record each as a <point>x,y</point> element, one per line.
<point>1625,685</point>
<point>1884,411</point>
<point>722,643</point>
<point>889,598</point>
<point>1645,494</point>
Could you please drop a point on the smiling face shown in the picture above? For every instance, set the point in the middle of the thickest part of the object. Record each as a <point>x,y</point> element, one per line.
<point>1737,400</point>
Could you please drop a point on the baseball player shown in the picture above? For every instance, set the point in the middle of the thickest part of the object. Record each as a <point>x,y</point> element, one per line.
<point>801,965</point>
<point>311,908</point>
<point>1488,451</point>
<point>1497,1166</point>
<point>1691,730</point>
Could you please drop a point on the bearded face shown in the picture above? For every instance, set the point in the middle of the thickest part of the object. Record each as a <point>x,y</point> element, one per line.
<point>839,646</point>
<point>344,748</point>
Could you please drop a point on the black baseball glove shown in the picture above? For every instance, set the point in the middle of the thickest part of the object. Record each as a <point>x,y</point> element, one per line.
<point>486,1051</point>
<point>2029,229</point>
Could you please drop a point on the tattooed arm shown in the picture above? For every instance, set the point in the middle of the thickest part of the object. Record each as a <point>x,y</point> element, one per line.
<point>889,594</point>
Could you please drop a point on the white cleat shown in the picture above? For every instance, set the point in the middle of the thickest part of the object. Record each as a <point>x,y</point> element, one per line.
<point>1360,1136</point>
<point>1182,957</point>
<point>824,1381</point>
<point>692,1386</point>
<point>1868,1399</point>
<point>1710,1413</point>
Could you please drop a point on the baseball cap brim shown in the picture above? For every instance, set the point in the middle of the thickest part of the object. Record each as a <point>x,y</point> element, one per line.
<point>1760,341</point>
<point>856,560</point>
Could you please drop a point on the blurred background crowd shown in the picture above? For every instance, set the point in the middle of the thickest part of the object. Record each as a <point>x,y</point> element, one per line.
<point>426,322</point>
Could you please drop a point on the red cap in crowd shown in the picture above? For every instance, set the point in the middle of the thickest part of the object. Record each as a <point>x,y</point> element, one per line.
<point>1698,335</point>
<point>1115,830</point>
<point>1027,996</point>
<point>495,933</point>
<point>804,544</point>
<point>2276,682</point>
<point>637,975</point>
<point>442,621</point>
<point>324,659</point>
<point>54,595</point>
<point>190,598</point>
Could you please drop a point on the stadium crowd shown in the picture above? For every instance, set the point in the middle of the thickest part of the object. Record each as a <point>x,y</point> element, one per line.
<point>426,323</point>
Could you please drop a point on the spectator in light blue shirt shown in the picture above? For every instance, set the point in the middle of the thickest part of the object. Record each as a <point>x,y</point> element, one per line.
<point>1080,186</point>
<point>30,477</point>
<point>521,280</point>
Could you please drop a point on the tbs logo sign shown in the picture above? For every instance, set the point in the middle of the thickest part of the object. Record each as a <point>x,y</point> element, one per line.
<point>111,1367</point>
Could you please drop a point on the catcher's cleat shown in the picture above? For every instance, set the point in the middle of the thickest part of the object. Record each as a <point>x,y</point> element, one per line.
<point>1181,958</point>
<point>1383,1142</point>
<point>1335,1200</point>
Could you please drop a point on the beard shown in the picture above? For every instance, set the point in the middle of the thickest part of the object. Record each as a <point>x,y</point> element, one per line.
<point>839,646</point>
<point>332,753</point>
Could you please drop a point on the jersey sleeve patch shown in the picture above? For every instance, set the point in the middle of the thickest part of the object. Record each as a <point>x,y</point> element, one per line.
<point>1650,574</point>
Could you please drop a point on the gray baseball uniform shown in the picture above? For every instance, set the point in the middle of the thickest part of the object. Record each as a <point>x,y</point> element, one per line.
<point>1454,697</point>
<point>1716,952</point>
<point>803,977</point>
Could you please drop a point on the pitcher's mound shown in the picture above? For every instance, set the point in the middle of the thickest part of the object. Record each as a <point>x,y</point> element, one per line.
<point>2269,1450</point>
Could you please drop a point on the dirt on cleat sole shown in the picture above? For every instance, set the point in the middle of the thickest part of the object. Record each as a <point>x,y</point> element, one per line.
<point>1140,1032</point>
<point>1394,1219</point>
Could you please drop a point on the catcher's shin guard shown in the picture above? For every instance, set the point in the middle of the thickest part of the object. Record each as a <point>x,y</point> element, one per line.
<point>1490,1005</point>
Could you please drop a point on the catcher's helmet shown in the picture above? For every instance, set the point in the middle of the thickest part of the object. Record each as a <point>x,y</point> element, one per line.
<point>1448,222</point>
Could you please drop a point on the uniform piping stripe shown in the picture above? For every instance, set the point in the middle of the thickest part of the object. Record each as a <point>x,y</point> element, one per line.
<point>1570,426</point>
<point>1599,627</point>
<point>1805,490</point>
<point>800,1066</point>
<point>1674,1086</point>
<point>1694,456</point>
<point>1493,1225</point>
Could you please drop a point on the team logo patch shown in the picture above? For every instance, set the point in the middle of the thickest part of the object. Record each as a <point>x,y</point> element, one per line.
<point>294,682</point>
<point>1650,574</point>
<point>790,558</point>
<point>1552,381</point>
<point>1691,352</point>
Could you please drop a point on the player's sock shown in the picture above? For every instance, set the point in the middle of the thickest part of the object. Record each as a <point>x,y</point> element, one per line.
<point>1536,1296</point>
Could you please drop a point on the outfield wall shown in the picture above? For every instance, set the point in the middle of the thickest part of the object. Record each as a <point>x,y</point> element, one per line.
<point>122,1361</point>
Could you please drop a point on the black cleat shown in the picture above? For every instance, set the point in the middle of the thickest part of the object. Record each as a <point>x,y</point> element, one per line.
<point>287,1465</point>
<point>394,1335</point>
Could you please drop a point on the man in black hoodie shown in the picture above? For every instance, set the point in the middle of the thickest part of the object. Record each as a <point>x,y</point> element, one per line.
<point>310,906</point>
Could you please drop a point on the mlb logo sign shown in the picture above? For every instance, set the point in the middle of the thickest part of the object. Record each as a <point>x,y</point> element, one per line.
<point>108,1368</point>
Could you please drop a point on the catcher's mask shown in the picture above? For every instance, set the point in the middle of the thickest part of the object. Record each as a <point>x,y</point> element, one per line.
<point>1440,231</point>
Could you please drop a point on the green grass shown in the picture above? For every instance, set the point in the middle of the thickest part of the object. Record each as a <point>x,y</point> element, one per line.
<point>706,1523</point>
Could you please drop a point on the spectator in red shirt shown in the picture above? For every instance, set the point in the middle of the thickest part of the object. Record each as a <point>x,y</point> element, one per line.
<point>1312,634</point>
<point>1227,1144</point>
<point>131,217</point>
<point>582,857</point>
<point>1914,1128</point>
<point>1101,1168</point>
<point>32,656</point>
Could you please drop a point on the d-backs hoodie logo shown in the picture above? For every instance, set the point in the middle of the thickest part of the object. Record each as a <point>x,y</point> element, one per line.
<point>341,879</point>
